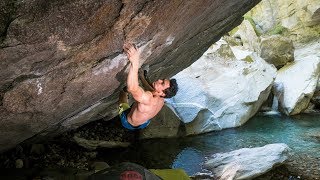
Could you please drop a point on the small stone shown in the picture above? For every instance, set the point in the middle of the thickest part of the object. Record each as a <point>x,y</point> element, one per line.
<point>19,163</point>
<point>98,166</point>
<point>37,149</point>
<point>91,154</point>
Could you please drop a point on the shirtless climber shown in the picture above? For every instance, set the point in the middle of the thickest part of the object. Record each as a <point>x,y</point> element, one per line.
<point>147,102</point>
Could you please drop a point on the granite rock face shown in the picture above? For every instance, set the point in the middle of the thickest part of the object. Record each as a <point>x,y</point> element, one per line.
<point>299,20</point>
<point>62,62</point>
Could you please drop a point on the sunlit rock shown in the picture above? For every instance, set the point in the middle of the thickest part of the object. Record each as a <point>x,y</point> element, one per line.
<point>247,163</point>
<point>295,84</point>
<point>302,52</point>
<point>298,19</point>
<point>249,38</point>
<point>223,89</point>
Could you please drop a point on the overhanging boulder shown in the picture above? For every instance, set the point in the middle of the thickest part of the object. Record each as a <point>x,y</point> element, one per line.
<point>63,60</point>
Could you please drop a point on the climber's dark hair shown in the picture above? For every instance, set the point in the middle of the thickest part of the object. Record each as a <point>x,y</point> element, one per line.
<point>172,90</point>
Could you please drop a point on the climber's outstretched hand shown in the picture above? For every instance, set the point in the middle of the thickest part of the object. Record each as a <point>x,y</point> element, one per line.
<point>132,52</point>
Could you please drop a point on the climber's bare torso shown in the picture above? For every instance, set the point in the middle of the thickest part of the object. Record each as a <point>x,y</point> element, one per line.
<point>148,103</point>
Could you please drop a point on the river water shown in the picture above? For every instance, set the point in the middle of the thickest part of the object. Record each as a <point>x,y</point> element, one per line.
<point>301,133</point>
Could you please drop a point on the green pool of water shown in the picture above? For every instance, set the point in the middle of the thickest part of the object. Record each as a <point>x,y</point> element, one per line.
<point>301,133</point>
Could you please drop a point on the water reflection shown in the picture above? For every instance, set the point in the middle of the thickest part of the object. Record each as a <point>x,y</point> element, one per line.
<point>189,159</point>
<point>301,133</point>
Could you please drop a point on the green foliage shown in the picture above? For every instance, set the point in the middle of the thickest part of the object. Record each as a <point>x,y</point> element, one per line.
<point>248,59</point>
<point>253,24</point>
<point>233,31</point>
<point>278,29</point>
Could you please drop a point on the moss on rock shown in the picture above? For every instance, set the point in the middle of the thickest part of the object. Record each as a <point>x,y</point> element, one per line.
<point>278,29</point>
<point>253,24</point>
<point>248,59</point>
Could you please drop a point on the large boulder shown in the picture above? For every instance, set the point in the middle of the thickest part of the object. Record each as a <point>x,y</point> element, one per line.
<point>247,163</point>
<point>295,84</point>
<point>223,89</point>
<point>306,50</point>
<point>300,53</point>
<point>277,50</point>
<point>62,62</point>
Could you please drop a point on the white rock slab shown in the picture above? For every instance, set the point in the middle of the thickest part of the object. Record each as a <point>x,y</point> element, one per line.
<point>247,163</point>
<point>295,84</point>
<point>248,36</point>
<point>219,91</point>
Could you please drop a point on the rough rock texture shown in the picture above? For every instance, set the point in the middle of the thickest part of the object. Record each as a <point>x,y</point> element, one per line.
<point>165,124</point>
<point>62,61</point>
<point>315,100</point>
<point>297,24</point>
<point>94,144</point>
<point>298,19</point>
<point>296,83</point>
<point>301,52</point>
<point>247,163</point>
<point>248,36</point>
<point>277,50</point>
<point>223,89</point>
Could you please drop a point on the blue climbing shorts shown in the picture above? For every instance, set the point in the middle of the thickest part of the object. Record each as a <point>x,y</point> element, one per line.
<point>124,110</point>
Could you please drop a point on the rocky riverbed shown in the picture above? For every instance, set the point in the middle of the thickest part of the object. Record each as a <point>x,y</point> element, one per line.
<point>64,152</point>
<point>300,166</point>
